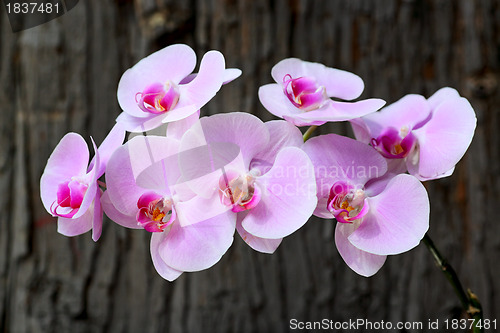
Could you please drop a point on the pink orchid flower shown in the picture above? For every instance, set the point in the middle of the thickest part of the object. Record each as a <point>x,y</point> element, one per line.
<point>161,89</point>
<point>303,90</point>
<point>425,137</point>
<point>378,214</point>
<point>141,194</point>
<point>269,182</point>
<point>68,186</point>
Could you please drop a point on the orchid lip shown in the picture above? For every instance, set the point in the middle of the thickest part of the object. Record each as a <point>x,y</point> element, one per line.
<point>394,144</point>
<point>239,191</point>
<point>304,93</point>
<point>346,203</point>
<point>70,196</point>
<point>155,213</point>
<point>158,98</point>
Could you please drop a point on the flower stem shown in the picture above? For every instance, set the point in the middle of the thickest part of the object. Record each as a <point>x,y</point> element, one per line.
<point>309,132</point>
<point>469,300</point>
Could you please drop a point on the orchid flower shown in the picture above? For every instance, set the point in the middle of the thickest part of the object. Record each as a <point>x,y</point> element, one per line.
<point>268,181</point>
<point>377,214</point>
<point>425,137</point>
<point>303,89</point>
<point>161,89</point>
<point>141,195</point>
<point>68,186</point>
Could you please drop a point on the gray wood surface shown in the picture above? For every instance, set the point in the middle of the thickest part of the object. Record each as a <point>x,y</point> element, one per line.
<point>62,76</point>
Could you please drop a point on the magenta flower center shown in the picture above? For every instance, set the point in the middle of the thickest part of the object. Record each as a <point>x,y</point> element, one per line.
<point>393,143</point>
<point>155,213</point>
<point>346,203</point>
<point>304,92</point>
<point>158,98</point>
<point>238,191</point>
<point>69,197</point>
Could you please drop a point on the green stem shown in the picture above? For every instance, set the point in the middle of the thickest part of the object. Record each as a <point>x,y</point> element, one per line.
<point>309,132</point>
<point>469,301</point>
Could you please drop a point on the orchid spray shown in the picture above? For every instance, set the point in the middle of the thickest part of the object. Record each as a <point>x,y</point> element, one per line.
<point>201,180</point>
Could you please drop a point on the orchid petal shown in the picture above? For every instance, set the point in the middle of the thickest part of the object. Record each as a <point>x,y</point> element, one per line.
<point>206,84</point>
<point>97,220</point>
<point>198,246</point>
<point>231,74</point>
<point>258,244</point>
<point>272,98</point>
<point>338,158</point>
<point>282,134</point>
<point>75,226</point>
<point>398,218</point>
<point>339,111</point>
<point>165,271</point>
<point>288,196</point>
<point>176,129</point>
<point>242,129</point>
<point>127,221</point>
<point>128,162</point>
<point>70,158</point>
<point>442,95</point>
<point>113,140</point>
<point>363,263</point>
<point>172,63</point>
<point>92,189</point>
<point>445,138</point>
<point>409,111</point>
<point>338,83</point>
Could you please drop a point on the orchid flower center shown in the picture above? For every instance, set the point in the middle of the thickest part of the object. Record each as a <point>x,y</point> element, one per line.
<point>155,213</point>
<point>304,92</point>
<point>393,143</point>
<point>158,98</point>
<point>346,203</point>
<point>69,197</point>
<point>239,191</point>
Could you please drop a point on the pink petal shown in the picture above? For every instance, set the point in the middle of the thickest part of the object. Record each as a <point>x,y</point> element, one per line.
<point>165,271</point>
<point>176,129</point>
<point>361,131</point>
<point>140,124</point>
<point>338,158</point>
<point>445,138</point>
<point>128,221</point>
<point>242,129</point>
<point>231,74</point>
<point>258,244</point>
<point>76,226</point>
<point>198,246</point>
<point>113,140</point>
<point>282,134</point>
<point>97,220</point>
<point>128,162</point>
<point>199,209</point>
<point>92,189</point>
<point>275,101</point>
<point>339,111</point>
<point>442,95</point>
<point>363,263</point>
<point>409,111</point>
<point>338,83</point>
<point>398,218</point>
<point>172,63</point>
<point>288,196</point>
<point>69,158</point>
<point>206,84</point>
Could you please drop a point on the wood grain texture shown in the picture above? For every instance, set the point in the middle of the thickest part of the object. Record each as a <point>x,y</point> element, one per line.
<point>62,76</point>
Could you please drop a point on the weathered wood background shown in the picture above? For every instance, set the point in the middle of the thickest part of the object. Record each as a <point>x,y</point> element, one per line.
<point>62,76</point>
